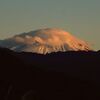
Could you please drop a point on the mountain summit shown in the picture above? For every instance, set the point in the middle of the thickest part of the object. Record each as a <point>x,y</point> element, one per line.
<point>45,41</point>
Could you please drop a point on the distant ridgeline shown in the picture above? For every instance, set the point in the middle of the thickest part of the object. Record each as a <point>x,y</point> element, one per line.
<point>45,41</point>
<point>56,76</point>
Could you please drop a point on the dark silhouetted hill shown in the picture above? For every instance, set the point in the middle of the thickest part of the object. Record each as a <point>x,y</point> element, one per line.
<point>55,76</point>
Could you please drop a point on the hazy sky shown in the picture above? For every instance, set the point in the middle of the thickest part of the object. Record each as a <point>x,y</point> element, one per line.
<point>79,17</point>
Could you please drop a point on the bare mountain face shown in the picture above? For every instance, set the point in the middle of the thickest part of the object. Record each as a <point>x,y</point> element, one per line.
<point>45,41</point>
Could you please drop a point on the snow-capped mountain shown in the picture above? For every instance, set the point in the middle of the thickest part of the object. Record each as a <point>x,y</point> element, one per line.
<point>45,41</point>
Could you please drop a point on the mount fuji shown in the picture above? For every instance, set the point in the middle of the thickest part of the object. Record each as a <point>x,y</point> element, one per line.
<point>45,41</point>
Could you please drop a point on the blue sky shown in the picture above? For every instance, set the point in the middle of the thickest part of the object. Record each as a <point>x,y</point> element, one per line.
<point>79,17</point>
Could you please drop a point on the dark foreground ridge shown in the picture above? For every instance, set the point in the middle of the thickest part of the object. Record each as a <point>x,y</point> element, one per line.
<point>55,76</point>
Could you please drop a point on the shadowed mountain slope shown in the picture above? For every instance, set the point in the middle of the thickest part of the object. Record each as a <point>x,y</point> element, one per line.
<point>56,76</point>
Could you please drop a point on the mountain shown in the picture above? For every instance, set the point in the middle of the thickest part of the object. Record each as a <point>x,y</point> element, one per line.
<point>56,76</point>
<point>45,41</point>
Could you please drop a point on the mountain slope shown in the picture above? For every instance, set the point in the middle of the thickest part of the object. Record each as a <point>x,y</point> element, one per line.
<point>55,76</point>
<point>45,41</point>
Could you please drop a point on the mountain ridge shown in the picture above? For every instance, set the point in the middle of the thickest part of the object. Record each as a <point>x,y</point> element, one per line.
<point>45,41</point>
